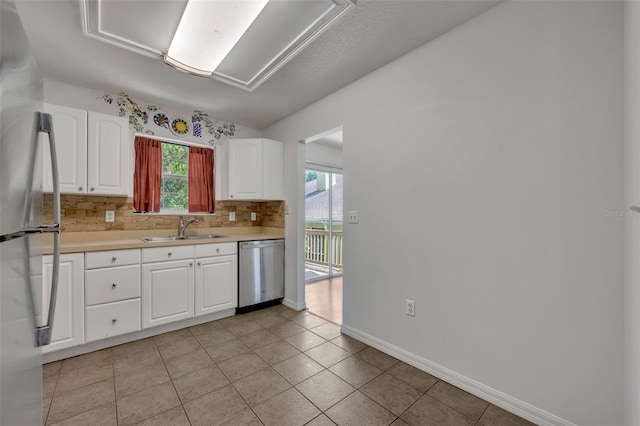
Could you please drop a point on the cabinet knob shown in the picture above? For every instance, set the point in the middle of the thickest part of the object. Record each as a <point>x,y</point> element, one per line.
<point>217,250</point>
<point>230,196</point>
<point>169,254</point>
<point>79,188</point>
<point>199,264</point>
<point>191,264</point>
<point>115,320</point>
<point>114,285</point>
<point>113,259</point>
<point>92,189</point>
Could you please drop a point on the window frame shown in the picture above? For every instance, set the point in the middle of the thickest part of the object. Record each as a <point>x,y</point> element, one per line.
<point>175,212</point>
<point>176,177</point>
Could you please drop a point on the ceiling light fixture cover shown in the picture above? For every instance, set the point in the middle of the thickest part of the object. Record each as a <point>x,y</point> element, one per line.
<point>208,31</point>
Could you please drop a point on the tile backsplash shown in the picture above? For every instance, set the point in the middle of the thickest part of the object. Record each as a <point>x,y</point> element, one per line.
<point>87,213</point>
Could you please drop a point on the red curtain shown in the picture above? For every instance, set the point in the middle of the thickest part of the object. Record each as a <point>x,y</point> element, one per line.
<point>201,197</point>
<point>148,175</point>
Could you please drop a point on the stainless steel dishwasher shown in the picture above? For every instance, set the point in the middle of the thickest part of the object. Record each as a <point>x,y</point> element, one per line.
<point>261,273</point>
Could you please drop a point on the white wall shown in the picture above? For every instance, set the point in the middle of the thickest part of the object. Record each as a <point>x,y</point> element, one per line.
<point>500,147</point>
<point>324,155</point>
<point>632,222</point>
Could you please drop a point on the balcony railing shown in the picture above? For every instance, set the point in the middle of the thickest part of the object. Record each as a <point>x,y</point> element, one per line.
<point>316,247</point>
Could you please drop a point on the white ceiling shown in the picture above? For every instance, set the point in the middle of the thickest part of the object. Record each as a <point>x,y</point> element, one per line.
<point>333,140</point>
<point>372,34</point>
<point>278,34</point>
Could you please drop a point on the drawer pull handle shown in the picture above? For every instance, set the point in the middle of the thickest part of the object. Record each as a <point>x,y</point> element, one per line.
<point>113,259</point>
<point>114,285</point>
<point>79,188</point>
<point>92,189</point>
<point>115,320</point>
<point>169,254</point>
<point>218,250</point>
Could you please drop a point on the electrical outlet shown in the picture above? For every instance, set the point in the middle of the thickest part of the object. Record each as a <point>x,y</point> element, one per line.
<point>253,216</point>
<point>232,216</point>
<point>110,216</point>
<point>354,217</point>
<point>411,308</point>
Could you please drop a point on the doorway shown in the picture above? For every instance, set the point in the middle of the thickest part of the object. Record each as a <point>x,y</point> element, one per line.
<point>323,226</point>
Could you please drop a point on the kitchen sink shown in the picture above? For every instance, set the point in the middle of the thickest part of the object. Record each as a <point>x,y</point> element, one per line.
<point>177,238</point>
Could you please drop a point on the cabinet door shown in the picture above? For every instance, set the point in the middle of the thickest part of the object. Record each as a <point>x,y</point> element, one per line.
<point>108,154</point>
<point>167,292</point>
<point>70,128</point>
<point>272,170</point>
<point>245,169</point>
<point>216,284</point>
<point>68,321</point>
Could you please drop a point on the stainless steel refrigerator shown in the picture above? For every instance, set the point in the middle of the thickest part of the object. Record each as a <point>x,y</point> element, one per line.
<point>22,331</point>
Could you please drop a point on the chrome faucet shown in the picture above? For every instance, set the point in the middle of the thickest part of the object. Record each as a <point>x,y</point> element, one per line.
<point>182,226</point>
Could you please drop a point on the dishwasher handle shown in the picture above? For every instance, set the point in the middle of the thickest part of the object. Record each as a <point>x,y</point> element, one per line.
<point>261,244</point>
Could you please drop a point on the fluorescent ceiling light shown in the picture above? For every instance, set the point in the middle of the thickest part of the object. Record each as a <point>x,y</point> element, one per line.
<point>207,32</point>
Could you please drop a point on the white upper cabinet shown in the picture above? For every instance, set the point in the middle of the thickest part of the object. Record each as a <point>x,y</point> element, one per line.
<point>92,151</point>
<point>107,154</point>
<point>250,169</point>
<point>70,130</point>
<point>245,169</point>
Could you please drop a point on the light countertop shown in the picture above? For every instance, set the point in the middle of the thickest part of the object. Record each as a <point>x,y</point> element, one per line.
<point>75,242</point>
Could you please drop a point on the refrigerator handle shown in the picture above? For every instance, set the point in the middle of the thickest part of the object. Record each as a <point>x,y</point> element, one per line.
<point>43,336</point>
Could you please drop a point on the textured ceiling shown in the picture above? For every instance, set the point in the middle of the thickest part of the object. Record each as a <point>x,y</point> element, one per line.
<point>371,35</point>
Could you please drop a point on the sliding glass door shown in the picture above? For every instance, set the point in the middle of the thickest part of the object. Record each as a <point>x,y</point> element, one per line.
<point>323,224</point>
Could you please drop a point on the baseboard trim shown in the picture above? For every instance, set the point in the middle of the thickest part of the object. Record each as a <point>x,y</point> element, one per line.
<point>294,305</point>
<point>130,337</point>
<point>500,399</point>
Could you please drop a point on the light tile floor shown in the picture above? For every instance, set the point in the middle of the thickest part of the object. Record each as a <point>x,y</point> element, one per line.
<point>271,367</point>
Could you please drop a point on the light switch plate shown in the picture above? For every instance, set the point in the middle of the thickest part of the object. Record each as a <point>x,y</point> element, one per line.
<point>232,216</point>
<point>253,216</point>
<point>354,217</point>
<point>110,216</point>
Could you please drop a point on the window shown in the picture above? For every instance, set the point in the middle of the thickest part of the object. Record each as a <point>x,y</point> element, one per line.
<point>174,195</point>
<point>172,178</point>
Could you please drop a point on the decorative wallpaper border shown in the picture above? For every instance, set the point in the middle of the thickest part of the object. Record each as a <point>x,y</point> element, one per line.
<point>200,124</point>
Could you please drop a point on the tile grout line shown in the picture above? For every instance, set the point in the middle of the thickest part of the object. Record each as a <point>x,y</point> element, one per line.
<point>53,394</point>
<point>115,395</point>
<point>455,409</point>
<point>418,399</point>
<point>485,410</point>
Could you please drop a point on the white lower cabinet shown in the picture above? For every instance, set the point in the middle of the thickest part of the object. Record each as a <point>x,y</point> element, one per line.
<point>112,319</point>
<point>167,292</point>
<point>112,293</point>
<point>68,321</point>
<point>216,284</point>
<point>124,291</point>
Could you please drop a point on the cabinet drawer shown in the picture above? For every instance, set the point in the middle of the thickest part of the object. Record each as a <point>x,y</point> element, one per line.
<point>111,284</point>
<point>221,249</point>
<point>103,259</point>
<point>112,319</point>
<point>161,254</point>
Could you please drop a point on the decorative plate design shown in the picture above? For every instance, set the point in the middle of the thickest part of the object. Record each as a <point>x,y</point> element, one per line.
<point>161,120</point>
<point>179,126</point>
